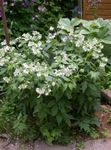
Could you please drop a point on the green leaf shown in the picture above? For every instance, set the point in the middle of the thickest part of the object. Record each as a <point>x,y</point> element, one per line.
<point>94,75</point>
<point>59,118</point>
<point>2,71</point>
<point>51,103</point>
<point>76,22</point>
<point>65,86</point>
<point>65,24</point>
<point>54,110</point>
<point>71,86</point>
<point>84,86</point>
<point>107,40</point>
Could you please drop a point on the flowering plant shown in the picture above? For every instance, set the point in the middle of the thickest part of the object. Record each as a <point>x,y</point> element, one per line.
<point>51,83</point>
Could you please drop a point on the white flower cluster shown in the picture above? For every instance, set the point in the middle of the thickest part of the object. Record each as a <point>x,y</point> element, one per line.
<point>32,68</point>
<point>45,90</point>
<point>79,40</point>
<point>6,79</point>
<point>31,65</point>
<point>92,46</point>
<point>35,36</point>
<point>3,57</point>
<point>50,37</point>
<point>35,47</point>
<point>65,71</point>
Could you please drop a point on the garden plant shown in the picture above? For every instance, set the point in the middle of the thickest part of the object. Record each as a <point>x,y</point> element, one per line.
<point>52,86</point>
<point>53,71</point>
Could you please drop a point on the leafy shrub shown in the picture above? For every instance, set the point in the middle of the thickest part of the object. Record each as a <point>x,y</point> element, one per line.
<point>101,29</point>
<point>51,85</point>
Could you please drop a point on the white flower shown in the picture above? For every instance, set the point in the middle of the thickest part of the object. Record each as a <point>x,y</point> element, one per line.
<point>85,48</point>
<point>39,74</point>
<point>26,37</point>
<point>39,36</point>
<point>2,62</point>
<point>46,94</point>
<point>25,65</point>
<point>81,37</point>
<point>82,70</point>
<point>26,71</point>
<point>35,33</point>
<point>48,41</point>
<point>99,50</point>
<point>52,36</point>
<point>6,79</point>
<point>104,59</point>
<point>12,4</point>
<point>30,44</point>
<point>39,44</point>
<point>102,65</point>
<point>36,51</point>
<point>90,45</point>
<point>45,90</point>
<point>101,46</point>
<point>12,42</point>
<point>79,43</point>
<point>40,91</point>
<point>63,72</point>
<point>95,55</point>
<point>64,38</point>
<point>51,28</point>
<point>17,72</point>
<point>94,41</point>
<point>53,83</point>
<point>3,43</point>
<point>23,86</point>
<point>7,48</point>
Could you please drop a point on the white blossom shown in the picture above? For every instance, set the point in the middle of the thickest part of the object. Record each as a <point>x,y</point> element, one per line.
<point>104,59</point>
<point>6,79</point>
<point>64,38</point>
<point>43,91</point>
<point>53,83</point>
<point>51,28</point>
<point>23,86</point>
<point>102,65</point>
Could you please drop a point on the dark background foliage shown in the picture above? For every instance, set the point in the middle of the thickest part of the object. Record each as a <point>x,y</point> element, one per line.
<point>27,15</point>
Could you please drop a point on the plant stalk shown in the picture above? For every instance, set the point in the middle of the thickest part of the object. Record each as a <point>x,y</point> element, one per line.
<point>4,22</point>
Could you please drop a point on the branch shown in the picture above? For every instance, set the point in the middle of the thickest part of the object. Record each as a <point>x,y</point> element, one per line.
<point>4,22</point>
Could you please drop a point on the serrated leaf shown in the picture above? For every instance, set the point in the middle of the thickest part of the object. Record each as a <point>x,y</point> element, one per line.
<point>94,75</point>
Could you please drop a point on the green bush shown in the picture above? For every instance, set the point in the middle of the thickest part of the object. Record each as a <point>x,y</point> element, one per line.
<point>52,85</point>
